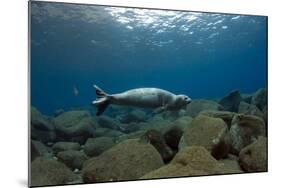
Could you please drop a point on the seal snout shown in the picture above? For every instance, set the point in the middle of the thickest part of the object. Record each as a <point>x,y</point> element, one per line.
<point>188,100</point>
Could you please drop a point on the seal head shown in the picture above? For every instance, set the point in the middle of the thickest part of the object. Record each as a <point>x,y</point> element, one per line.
<point>180,101</point>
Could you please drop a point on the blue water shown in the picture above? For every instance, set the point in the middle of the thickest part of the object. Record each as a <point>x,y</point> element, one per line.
<point>202,55</point>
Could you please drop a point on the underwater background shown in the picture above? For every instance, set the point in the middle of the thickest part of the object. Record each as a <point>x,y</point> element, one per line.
<point>202,55</point>
<point>219,60</point>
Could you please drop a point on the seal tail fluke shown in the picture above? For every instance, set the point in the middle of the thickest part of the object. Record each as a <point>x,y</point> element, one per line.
<point>102,100</point>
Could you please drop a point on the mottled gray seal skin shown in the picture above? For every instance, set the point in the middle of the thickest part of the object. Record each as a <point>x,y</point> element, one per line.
<point>142,97</point>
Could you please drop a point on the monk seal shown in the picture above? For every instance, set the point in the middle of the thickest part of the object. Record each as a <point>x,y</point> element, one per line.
<point>158,99</point>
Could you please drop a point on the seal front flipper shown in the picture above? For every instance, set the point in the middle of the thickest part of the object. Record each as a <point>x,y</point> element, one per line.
<point>160,109</point>
<point>102,100</point>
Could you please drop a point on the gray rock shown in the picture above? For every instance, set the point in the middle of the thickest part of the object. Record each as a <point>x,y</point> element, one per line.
<point>58,112</point>
<point>253,158</point>
<point>209,132</point>
<point>198,105</point>
<point>72,158</point>
<point>110,123</point>
<point>191,161</point>
<point>231,101</point>
<point>75,126</point>
<point>173,133</point>
<point>50,172</point>
<point>265,116</point>
<point>249,109</point>
<point>64,146</point>
<point>105,132</point>
<point>38,149</point>
<point>155,138</point>
<point>41,128</point>
<point>95,146</point>
<point>230,166</point>
<point>133,116</point>
<point>260,98</point>
<point>156,122</point>
<point>247,97</point>
<point>244,130</point>
<point>224,115</point>
<point>128,160</point>
<point>133,135</point>
<point>133,127</point>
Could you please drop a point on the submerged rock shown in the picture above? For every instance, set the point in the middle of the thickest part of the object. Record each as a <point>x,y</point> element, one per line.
<point>50,172</point>
<point>208,132</point>
<point>64,146</point>
<point>128,160</point>
<point>249,109</point>
<point>231,101</point>
<point>157,122</point>
<point>133,135</point>
<point>155,138</point>
<point>133,116</point>
<point>74,126</point>
<point>105,132</point>
<point>133,127</point>
<point>173,133</point>
<point>224,115</point>
<point>191,161</point>
<point>38,149</point>
<point>41,128</point>
<point>230,166</point>
<point>58,112</point>
<point>247,97</point>
<point>244,130</point>
<point>95,146</point>
<point>198,105</point>
<point>108,122</point>
<point>265,116</point>
<point>253,158</point>
<point>259,99</point>
<point>72,158</point>
<point>172,137</point>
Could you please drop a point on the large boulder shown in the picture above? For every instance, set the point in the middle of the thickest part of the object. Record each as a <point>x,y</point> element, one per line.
<point>247,97</point>
<point>259,99</point>
<point>157,122</point>
<point>133,127</point>
<point>110,123</point>
<point>230,166</point>
<point>265,117</point>
<point>198,105</point>
<point>64,146</point>
<point>72,158</point>
<point>75,126</point>
<point>50,172</point>
<point>191,161</point>
<point>38,149</point>
<point>95,146</point>
<point>128,160</point>
<point>249,109</point>
<point>173,133</point>
<point>41,128</point>
<point>244,130</point>
<point>253,158</point>
<point>133,116</point>
<point>224,115</point>
<point>133,135</point>
<point>105,132</point>
<point>208,132</point>
<point>231,101</point>
<point>155,138</point>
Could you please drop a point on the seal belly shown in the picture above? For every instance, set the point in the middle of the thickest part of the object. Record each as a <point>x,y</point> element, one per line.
<point>144,97</point>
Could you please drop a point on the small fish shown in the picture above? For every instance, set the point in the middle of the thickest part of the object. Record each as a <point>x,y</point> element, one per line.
<point>75,91</point>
